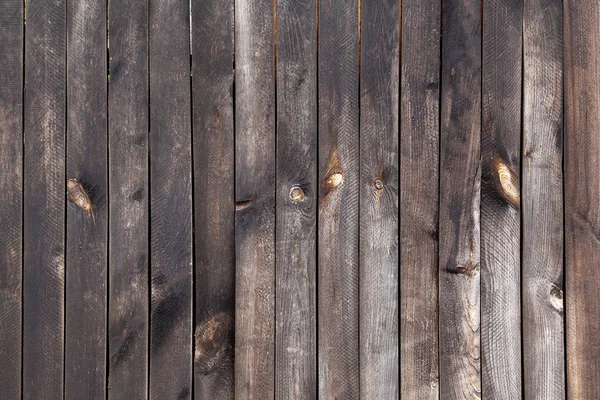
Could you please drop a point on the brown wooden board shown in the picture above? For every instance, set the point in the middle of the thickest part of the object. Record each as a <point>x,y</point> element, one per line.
<point>582,197</point>
<point>500,199</point>
<point>128,198</point>
<point>214,207</point>
<point>460,135</point>
<point>255,112</point>
<point>542,200</point>
<point>44,200</point>
<point>338,220</point>
<point>419,142</point>
<point>171,239</point>
<point>11,193</point>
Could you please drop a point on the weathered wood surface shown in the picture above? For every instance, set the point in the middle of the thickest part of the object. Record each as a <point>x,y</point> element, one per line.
<point>44,187</point>
<point>338,220</point>
<point>214,207</point>
<point>459,232</point>
<point>542,200</point>
<point>419,142</point>
<point>129,305</point>
<point>11,192</point>
<point>296,198</point>
<point>582,197</point>
<point>500,199</point>
<point>171,242</point>
<point>255,199</point>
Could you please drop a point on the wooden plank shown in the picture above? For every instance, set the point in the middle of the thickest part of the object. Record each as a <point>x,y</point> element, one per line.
<point>170,201</point>
<point>419,198</point>
<point>296,195</point>
<point>11,192</point>
<point>500,199</point>
<point>542,230</point>
<point>214,174</point>
<point>459,232</point>
<point>255,199</point>
<point>44,200</point>
<point>128,198</point>
<point>86,273</point>
<point>582,200</point>
<point>338,347</point>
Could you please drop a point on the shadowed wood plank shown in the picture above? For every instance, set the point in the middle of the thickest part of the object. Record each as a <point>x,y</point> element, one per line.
<point>11,192</point>
<point>44,200</point>
<point>128,198</point>
<point>460,136</point>
<point>338,200</point>
<point>419,198</point>
<point>542,243</point>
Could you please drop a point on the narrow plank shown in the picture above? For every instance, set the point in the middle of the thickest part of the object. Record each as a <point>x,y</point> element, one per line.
<point>11,192</point>
<point>296,195</point>
<point>582,201</point>
<point>214,174</point>
<point>128,201</point>
<point>44,200</point>
<point>255,199</point>
<point>459,232</point>
<point>419,198</point>
<point>338,221</point>
<point>170,201</point>
<point>86,273</point>
<point>500,199</point>
<point>542,242</point>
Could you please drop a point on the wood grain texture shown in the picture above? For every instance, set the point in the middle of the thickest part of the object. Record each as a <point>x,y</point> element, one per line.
<point>129,304</point>
<point>255,199</point>
<point>542,242</point>
<point>214,175</point>
<point>338,220</point>
<point>500,215</point>
<point>170,201</point>
<point>86,272</point>
<point>379,85</point>
<point>296,196</point>
<point>419,198</point>
<point>44,200</point>
<point>459,232</point>
<point>582,201</point>
<point>11,192</point>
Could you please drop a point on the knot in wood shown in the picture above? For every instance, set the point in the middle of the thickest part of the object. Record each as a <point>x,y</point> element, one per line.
<point>378,184</point>
<point>213,339</point>
<point>507,182</point>
<point>297,194</point>
<point>78,195</point>
<point>334,180</point>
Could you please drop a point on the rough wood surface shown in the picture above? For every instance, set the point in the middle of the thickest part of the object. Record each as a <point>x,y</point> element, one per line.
<point>582,200</point>
<point>500,198</point>
<point>11,192</point>
<point>338,347</point>
<point>255,199</point>
<point>170,201</point>
<point>214,207</point>
<point>460,135</point>
<point>542,242</point>
<point>419,198</point>
<point>128,199</point>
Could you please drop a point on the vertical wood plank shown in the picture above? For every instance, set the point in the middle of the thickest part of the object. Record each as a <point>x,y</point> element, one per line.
<point>582,196</point>
<point>338,222</point>
<point>296,311</point>
<point>500,199</point>
<point>460,136</point>
<point>255,199</point>
<point>419,198</point>
<point>11,192</point>
<point>44,200</point>
<point>214,174</point>
<point>128,199</point>
<point>542,242</point>
<point>170,201</point>
<point>86,272</point>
